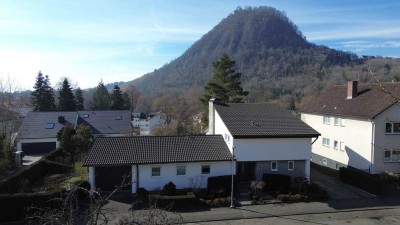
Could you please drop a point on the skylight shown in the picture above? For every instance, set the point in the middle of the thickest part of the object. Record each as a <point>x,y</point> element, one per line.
<point>118,117</point>
<point>49,125</point>
<point>85,115</point>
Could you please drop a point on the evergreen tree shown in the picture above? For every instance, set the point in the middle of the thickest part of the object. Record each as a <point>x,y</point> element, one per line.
<point>127,101</point>
<point>43,95</point>
<point>117,101</point>
<point>66,99</point>
<point>101,98</point>
<point>225,84</point>
<point>79,99</point>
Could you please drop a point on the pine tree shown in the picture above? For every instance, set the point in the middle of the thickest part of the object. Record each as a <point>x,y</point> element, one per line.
<point>66,99</point>
<point>43,95</point>
<point>79,104</point>
<point>101,98</point>
<point>117,101</point>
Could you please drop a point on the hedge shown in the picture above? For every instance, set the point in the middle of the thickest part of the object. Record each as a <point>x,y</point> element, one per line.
<point>361,180</point>
<point>277,182</point>
<point>224,183</point>
<point>175,201</point>
<point>31,174</point>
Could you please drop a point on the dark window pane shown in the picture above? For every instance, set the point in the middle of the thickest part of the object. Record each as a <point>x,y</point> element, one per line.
<point>388,127</point>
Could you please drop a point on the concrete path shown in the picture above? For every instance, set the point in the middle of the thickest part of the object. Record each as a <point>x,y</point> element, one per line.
<point>29,159</point>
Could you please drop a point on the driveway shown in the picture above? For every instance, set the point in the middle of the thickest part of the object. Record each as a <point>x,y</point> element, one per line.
<point>31,158</point>
<point>336,189</point>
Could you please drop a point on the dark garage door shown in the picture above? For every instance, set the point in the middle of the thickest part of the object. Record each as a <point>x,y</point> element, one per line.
<point>107,178</point>
<point>42,147</point>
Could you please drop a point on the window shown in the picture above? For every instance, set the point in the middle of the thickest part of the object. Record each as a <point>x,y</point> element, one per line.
<point>290,165</point>
<point>155,171</point>
<point>181,170</point>
<point>324,161</point>
<point>327,120</point>
<point>85,115</point>
<point>118,117</point>
<point>393,128</point>
<point>335,144</point>
<point>392,156</point>
<point>228,137</point>
<point>342,122</point>
<point>337,121</point>
<point>326,142</point>
<point>274,166</point>
<point>205,169</point>
<point>342,146</point>
<point>49,125</point>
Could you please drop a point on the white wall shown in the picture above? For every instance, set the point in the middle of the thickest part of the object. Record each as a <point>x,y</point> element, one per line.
<point>19,143</point>
<point>267,149</point>
<point>386,141</point>
<point>356,135</point>
<point>220,128</point>
<point>193,172</point>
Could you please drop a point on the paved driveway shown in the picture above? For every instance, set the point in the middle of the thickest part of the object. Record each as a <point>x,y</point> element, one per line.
<point>337,189</point>
<point>31,158</point>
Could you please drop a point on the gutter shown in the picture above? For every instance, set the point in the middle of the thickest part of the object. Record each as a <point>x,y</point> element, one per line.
<point>314,140</point>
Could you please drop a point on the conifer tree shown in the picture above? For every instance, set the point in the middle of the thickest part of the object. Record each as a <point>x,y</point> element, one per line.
<point>43,95</point>
<point>66,98</point>
<point>127,101</point>
<point>117,100</point>
<point>79,101</point>
<point>101,98</point>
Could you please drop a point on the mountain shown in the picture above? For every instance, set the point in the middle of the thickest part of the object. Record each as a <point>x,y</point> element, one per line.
<point>275,59</point>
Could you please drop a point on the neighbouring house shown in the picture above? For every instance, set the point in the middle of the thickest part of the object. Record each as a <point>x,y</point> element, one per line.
<point>38,132</point>
<point>150,162</point>
<point>264,138</point>
<point>359,126</point>
<point>146,124</point>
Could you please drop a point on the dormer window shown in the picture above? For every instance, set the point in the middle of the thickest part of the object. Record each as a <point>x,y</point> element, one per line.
<point>49,125</point>
<point>118,117</point>
<point>85,115</point>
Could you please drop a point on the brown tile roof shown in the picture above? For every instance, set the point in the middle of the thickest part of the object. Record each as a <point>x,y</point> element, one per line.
<point>371,100</point>
<point>246,120</point>
<point>157,149</point>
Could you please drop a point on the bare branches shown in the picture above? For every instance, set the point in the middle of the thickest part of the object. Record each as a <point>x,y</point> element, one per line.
<point>381,87</point>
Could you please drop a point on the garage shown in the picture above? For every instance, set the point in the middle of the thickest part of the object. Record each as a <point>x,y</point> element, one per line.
<point>110,177</point>
<point>38,148</point>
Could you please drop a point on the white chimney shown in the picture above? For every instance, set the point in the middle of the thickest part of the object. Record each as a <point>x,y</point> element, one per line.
<point>352,89</point>
<point>211,117</point>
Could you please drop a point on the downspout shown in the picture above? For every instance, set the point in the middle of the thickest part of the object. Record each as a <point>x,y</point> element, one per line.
<point>137,177</point>
<point>371,171</point>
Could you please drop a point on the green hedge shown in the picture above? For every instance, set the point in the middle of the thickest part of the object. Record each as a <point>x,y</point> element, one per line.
<point>224,183</point>
<point>277,182</point>
<point>361,180</point>
<point>175,201</point>
<point>31,174</point>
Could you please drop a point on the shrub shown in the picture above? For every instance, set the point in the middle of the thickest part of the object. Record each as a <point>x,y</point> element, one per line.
<point>142,194</point>
<point>175,201</point>
<point>220,183</point>
<point>169,188</point>
<point>361,180</point>
<point>277,182</point>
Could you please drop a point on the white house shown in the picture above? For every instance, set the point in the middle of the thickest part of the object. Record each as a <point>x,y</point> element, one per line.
<point>150,162</point>
<point>359,126</point>
<point>264,138</point>
<point>146,124</point>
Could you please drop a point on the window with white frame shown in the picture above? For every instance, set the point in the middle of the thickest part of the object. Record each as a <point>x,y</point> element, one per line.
<point>342,122</point>
<point>342,146</point>
<point>327,120</point>
<point>392,127</point>
<point>326,142</point>
<point>392,156</point>
<point>156,171</point>
<point>290,165</point>
<point>274,166</point>
<point>205,169</point>
<point>335,144</point>
<point>336,121</point>
<point>181,170</point>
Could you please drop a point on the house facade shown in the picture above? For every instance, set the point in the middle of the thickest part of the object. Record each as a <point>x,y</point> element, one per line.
<point>263,138</point>
<point>147,123</point>
<point>150,162</point>
<point>359,126</point>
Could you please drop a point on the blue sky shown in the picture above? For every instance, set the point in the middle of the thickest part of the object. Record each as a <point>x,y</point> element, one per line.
<point>121,40</point>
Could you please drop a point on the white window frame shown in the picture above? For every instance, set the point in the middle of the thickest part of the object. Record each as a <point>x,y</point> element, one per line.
<point>342,122</point>
<point>327,120</point>
<point>392,127</point>
<point>336,121</point>
<point>328,142</point>
<point>342,146</point>
<point>209,169</point>
<point>336,144</point>
<point>272,165</point>
<point>184,170</point>
<point>391,158</point>
<point>152,172</point>
<point>290,162</point>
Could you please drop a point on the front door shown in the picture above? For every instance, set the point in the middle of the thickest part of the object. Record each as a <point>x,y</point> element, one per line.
<point>246,171</point>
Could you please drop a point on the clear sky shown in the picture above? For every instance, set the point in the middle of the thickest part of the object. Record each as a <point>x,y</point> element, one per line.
<point>121,40</point>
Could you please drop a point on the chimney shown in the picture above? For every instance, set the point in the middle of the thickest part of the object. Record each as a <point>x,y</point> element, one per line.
<point>352,89</point>
<point>61,119</point>
<point>211,117</point>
